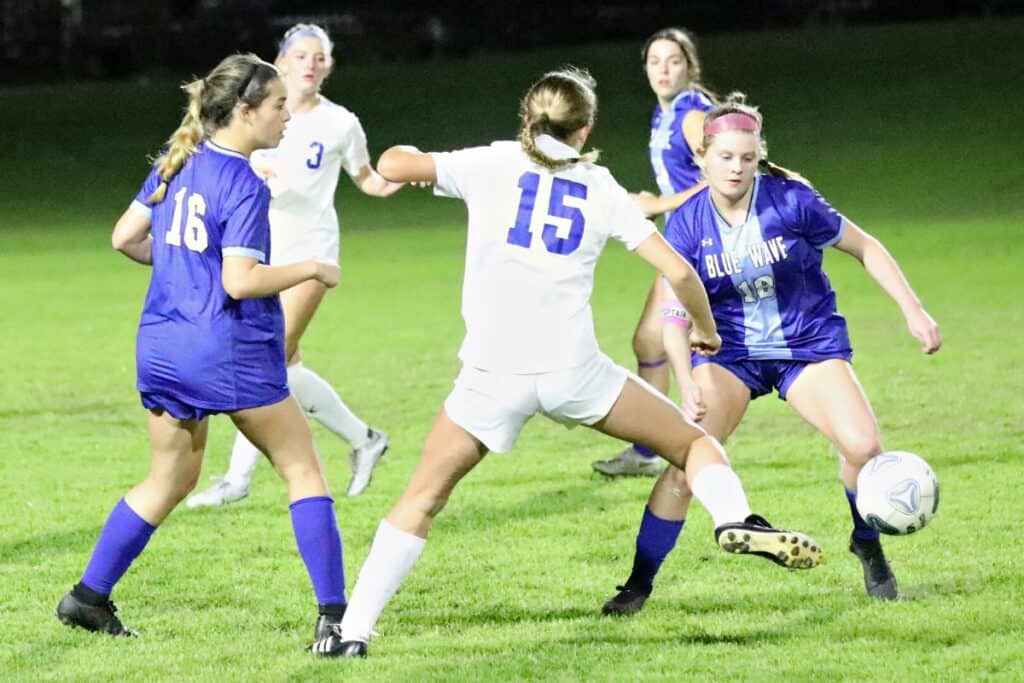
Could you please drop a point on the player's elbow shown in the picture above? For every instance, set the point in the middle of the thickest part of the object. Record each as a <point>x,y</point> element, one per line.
<point>121,237</point>
<point>405,164</point>
<point>679,274</point>
<point>234,285</point>
<point>390,164</point>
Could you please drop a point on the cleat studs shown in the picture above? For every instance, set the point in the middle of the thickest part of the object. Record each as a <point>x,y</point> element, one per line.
<point>807,544</point>
<point>746,537</point>
<point>794,540</point>
<point>795,551</point>
<point>782,538</point>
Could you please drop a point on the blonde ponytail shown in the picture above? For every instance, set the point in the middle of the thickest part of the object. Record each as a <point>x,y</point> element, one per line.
<point>559,104</point>
<point>182,143</point>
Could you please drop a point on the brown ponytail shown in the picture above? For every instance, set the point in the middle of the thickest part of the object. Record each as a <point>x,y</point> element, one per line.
<point>182,143</point>
<point>243,78</point>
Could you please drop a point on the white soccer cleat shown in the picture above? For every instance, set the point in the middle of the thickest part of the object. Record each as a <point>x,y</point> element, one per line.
<point>363,461</point>
<point>221,493</point>
<point>629,463</point>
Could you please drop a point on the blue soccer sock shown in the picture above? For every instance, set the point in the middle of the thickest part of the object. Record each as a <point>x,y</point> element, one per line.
<point>654,541</point>
<point>124,536</point>
<point>319,542</point>
<point>644,451</point>
<point>861,530</point>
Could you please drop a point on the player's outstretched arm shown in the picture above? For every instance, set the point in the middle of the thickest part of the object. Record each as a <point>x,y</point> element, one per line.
<point>131,237</point>
<point>247,278</point>
<point>686,284</point>
<point>406,164</point>
<point>655,205</point>
<point>374,184</point>
<point>882,267</point>
<point>675,324</point>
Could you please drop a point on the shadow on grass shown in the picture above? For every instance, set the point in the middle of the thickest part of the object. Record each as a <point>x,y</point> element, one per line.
<point>42,548</point>
<point>68,410</point>
<point>552,501</point>
<point>476,660</point>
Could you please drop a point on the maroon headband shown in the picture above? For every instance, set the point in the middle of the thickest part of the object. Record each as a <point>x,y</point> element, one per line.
<point>733,121</point>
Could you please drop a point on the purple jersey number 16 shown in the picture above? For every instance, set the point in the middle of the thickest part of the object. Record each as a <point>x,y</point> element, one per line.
<point>520,235</point>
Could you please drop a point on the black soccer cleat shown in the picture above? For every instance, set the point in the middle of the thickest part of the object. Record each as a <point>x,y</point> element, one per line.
<point>756,536</point>
<point>629,601</point>
<point>326,622</point>
<point>99,618</point>
<point>878,577</point>
<point>331,645</point>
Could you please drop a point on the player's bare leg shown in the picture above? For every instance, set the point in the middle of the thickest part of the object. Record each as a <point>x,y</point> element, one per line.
<point>829,396</point>
<point>652,365</point>
<point>449,453</point>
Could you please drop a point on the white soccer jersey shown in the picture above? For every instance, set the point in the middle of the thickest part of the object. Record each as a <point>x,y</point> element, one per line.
<point>534,238</point>
<point>305,166</point>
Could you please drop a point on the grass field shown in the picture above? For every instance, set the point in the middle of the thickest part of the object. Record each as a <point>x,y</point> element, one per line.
<point>909,130</point>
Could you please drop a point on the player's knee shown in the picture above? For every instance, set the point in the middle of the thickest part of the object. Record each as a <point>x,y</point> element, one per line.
<point>301,473</point>
<point>647,343</point>
<point>857,449</point>
<point>675,478</point>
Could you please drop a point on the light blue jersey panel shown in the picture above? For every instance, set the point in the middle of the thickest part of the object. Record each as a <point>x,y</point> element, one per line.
<point>755,281</point>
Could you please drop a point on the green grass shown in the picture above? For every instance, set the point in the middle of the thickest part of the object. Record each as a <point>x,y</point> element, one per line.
<point>532,543</point>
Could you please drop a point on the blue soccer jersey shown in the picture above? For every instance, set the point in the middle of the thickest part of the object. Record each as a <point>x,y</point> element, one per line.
<point>671,156</point>
<point>769,295</point>
<point>195,343</point>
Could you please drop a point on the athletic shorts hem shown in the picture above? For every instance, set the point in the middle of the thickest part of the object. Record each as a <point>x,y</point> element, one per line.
<point>186,410</point>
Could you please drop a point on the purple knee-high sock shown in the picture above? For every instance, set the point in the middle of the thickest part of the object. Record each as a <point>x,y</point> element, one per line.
<point>654,541</point>
<point>319,541</point>
<point>861,530</point>
<point>123,537</point>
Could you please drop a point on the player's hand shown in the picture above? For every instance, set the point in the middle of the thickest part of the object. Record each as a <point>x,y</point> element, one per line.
<point>703,342</point>
<point>327,273</point>
<point>692,401</point>
<point>925,330</point>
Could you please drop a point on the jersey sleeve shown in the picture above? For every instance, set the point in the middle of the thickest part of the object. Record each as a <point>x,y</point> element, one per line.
<point>814,218</point>
<point>456,171</point>
<point>680,235</point>
<point>247,224</point>
<point>628,223</point>
<point>354,152</point>
<point>140,204</point>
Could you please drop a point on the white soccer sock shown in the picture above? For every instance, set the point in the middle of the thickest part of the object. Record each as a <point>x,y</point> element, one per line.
<point>391,558</point>
<point>244,457</point>
<point>321,401</point>
<point>719,490</point>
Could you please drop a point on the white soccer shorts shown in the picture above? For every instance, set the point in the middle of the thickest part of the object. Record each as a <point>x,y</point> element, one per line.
<point>290,245</point>
<point>494,406</point>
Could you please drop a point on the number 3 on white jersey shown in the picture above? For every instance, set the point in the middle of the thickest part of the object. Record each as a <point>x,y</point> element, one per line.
<point>195,229</point>
<point>520,235</point>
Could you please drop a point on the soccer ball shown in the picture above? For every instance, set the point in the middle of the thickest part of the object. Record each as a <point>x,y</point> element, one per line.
<point>897,493</point>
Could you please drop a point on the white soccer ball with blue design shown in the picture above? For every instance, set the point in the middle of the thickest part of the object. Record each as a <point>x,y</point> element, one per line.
<point>897,493</point>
